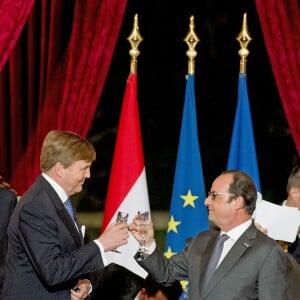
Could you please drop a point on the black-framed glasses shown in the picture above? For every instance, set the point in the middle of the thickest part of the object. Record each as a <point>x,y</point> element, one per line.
<point>213,195</point>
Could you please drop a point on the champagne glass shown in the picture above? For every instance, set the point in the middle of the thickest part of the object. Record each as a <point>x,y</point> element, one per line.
<point>122,217</point>
<point>143,223</point>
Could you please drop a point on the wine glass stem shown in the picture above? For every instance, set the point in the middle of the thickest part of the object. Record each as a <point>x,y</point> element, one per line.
<point>143,243</point>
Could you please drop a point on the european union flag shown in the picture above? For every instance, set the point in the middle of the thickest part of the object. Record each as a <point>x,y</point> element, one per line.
<point>242,154</point>
<point>188,214</point>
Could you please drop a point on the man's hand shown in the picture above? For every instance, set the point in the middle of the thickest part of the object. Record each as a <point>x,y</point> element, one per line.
<point>114,236</point>
<point>134,229</point>
<point>81,290</point>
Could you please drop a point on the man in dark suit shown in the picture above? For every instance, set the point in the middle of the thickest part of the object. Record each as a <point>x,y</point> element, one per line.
<point>251,265</point>
<point>8,202</point>
<point>46,257</point>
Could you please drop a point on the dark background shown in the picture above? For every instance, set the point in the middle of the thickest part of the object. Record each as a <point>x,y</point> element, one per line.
<point>162,65</point>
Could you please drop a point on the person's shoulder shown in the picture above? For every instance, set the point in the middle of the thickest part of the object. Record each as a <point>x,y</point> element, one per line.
<point>37,191</point>
<point>7,195</point>
<point>205,235</point>
<point>211,232</point>
<point>264,238</point>
<point>266,244</point>
<point>6,191</point>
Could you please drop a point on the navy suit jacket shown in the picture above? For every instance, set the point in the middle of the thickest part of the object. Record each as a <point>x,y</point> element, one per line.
<point>46,255</point>
<point>294,249</point>
<point>255,268</point>
<point>8,201</point>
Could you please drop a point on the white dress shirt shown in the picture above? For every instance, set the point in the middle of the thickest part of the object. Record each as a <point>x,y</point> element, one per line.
<point>234,234</point>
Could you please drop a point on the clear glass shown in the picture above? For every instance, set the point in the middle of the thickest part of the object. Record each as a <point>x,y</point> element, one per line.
<point>143,224</point>
<point>122,217</point>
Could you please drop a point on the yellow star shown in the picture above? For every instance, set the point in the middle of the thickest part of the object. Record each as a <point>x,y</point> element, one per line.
<point>184,284</point>
<point>169,253</point>
<point>172,224</point>
<point>189,199</point>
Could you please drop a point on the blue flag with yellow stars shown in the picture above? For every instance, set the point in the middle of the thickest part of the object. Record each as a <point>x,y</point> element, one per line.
<point>188,214</point>
<point>242,154</point>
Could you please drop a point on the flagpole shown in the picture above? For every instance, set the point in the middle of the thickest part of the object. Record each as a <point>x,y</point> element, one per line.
<point>192,40</point>
<point>127,188</point>
<point>242,152</point>
<point>244,39</point>
<point>134,39</point>
<point>188,215</point>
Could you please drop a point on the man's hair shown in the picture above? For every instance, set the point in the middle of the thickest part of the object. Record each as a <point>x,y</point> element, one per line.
<point>242,185</point>
<point>294,179</point>
<point>65,147</point>
<point>116,282</point>
<point>171,290</point>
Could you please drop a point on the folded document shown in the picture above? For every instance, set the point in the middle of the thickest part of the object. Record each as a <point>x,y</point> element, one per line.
<point>282,222</point>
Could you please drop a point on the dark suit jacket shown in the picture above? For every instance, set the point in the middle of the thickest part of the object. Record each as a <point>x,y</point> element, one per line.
<point>8,202</point>
<point>45,255</point>
<point>294,249</point>
<point>255,268</point>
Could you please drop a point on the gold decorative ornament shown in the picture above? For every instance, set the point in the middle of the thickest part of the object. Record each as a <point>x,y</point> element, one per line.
<point>192,40</point>
<point>244,39</point>
<point>134,39</point>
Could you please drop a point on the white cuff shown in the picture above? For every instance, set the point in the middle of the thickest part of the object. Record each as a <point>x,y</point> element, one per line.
<point>101,248</point>
<point>150,249</point>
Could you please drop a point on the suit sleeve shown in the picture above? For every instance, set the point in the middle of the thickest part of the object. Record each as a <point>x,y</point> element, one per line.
<point>51,249</point>
<point>166,270</point>
<point>8,201</point>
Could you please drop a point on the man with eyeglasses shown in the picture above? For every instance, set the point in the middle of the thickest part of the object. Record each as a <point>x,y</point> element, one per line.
<point>250,265</point>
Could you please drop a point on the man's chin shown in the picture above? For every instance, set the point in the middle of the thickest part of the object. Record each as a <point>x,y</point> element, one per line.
<point>78,190</point>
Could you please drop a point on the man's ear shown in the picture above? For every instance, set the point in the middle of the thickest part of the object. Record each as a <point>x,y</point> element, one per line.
<point>294,192</point>
<point>143,294</point>
<point>59,169</point>
<point>239,202</point>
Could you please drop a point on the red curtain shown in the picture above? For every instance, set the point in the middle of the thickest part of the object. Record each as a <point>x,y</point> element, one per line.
<point>280,23</point>
<point>55,76</point>
<point>13,15</point>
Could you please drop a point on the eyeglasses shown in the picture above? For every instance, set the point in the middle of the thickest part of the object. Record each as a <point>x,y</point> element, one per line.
<point>213,195</point>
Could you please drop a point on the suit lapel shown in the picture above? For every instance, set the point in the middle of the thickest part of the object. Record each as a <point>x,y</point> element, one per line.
<point>239,248</point>
<point>75,233</point>
<point>62,212</point>
<point>206,255</point>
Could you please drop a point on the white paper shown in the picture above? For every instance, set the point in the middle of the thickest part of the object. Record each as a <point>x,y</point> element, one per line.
<point>281,222</point>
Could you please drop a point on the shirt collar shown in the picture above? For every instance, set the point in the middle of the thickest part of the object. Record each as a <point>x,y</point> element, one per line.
<point>236,232</point>
<point>58,189</point>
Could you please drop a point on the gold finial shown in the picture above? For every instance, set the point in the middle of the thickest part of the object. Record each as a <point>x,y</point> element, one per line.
<point>134,39</point>
<point>192,40</point>
<point>244,39</point>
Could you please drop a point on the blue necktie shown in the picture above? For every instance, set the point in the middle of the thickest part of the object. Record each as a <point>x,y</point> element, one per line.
<point>69,207</point>
<point>215,257</point>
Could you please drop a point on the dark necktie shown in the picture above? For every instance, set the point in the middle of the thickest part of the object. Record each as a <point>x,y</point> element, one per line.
<point>215,257</point>
<point>69,207</point>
